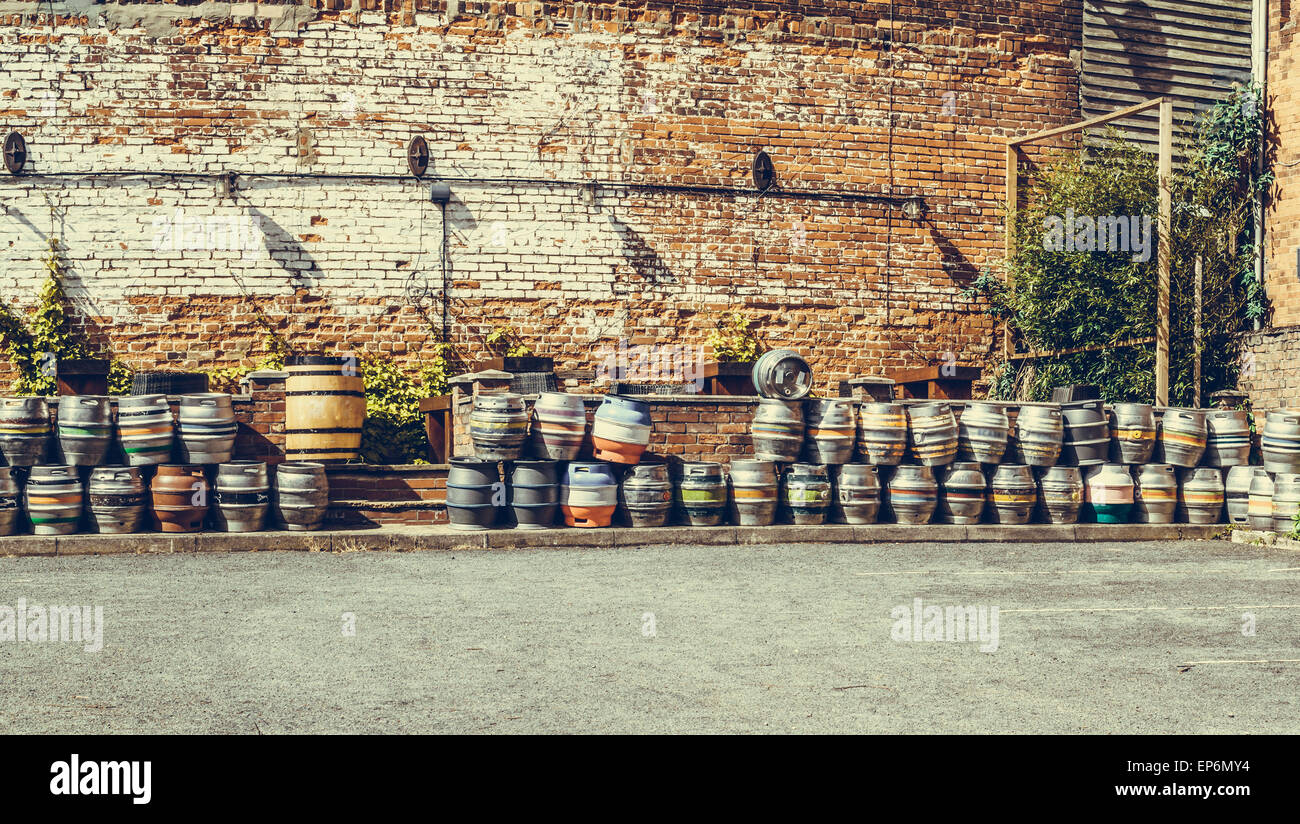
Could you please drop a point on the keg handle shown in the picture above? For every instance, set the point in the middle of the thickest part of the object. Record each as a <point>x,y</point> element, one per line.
<point>89,402</point>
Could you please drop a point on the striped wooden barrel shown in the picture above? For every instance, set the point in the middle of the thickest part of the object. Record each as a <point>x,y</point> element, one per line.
<point>325,405</point>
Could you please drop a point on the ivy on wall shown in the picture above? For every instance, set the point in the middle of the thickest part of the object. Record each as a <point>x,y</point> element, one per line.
<point>33,342</point>
<point>732,339</point>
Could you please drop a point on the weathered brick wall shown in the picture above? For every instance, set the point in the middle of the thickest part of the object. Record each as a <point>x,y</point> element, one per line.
<point>167,271</point>
<point>1282,275</point>
<point>1269,375</point>
<point>368,495</point>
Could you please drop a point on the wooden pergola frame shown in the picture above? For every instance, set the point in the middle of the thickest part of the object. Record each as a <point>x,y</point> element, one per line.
<point>1164,220</point>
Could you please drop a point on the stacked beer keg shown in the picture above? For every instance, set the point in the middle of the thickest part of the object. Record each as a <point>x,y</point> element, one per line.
<point>545,466</point>
<point>966,462</point>
<point>125,464</point>
<point>818,460</point>
<point>602,477</point>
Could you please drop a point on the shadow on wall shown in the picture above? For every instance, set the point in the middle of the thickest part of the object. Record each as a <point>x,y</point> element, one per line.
<point>641,256</point>
<point>83,309</point>
<point>955,264</point>
<point>286,251</point>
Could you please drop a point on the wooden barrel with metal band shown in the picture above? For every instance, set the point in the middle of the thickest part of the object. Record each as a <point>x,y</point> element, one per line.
<point>325,405</point>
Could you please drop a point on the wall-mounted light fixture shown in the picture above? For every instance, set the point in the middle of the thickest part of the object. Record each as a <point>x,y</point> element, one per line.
<point>763,171</point>
<point>439,192</point>
<point>914,208</point>
<point>417,156</point>
<point>15,153</point>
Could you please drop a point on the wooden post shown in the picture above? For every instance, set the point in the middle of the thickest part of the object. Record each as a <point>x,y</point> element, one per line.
<point>1164,221</point>
<point>1196,338</point>
<point>1162,274</point>
<point>1013,201</point>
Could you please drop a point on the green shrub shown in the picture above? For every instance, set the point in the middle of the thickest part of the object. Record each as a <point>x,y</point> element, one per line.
<point>1056,300</point>
<point>394,429</point>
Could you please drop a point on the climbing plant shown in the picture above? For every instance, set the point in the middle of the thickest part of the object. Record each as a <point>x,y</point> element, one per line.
<point>35,341</point>
<point>504,340</point>
<point>1071,284</point>
<point>732,339</point>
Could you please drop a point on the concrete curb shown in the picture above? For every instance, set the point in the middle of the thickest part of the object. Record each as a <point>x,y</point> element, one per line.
<point>441,537</point>
<point>1261,538</point>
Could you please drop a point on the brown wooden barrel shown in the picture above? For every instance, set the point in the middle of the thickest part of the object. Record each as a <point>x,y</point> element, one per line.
<point>325,405</point>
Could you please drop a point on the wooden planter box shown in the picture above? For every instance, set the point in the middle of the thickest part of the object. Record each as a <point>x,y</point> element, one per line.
<point>728,378</point>
<point>529,363</point>
<point>932,382</point>
<point>438,427</point>
<point>82,377</point>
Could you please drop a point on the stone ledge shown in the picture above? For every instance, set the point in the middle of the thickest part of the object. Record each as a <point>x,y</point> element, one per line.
<point>1263,538</point>
<point>442,537</point>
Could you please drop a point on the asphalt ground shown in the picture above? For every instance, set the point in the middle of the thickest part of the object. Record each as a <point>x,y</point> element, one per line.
<point>1151,637</point>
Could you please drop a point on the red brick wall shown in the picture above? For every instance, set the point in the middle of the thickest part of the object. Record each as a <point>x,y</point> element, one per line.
<point>843,98</point>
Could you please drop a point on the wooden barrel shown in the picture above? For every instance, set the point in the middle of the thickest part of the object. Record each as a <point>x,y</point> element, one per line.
<point>325,405</point>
